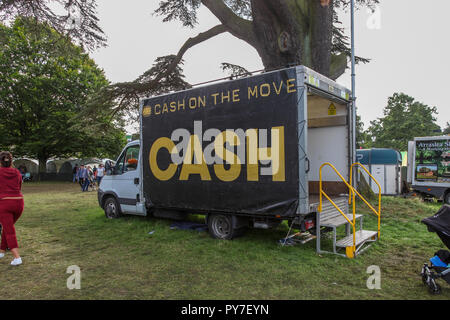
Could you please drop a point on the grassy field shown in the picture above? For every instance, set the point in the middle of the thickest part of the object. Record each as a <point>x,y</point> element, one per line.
<point>118,258</point>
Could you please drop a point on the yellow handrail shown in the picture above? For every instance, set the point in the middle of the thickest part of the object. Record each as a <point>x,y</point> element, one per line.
<point>377,212</point>
<point>329,199</point>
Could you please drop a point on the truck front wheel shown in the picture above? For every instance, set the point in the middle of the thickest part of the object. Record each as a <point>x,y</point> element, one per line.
<point>112,209</point>
<point>220,226</point>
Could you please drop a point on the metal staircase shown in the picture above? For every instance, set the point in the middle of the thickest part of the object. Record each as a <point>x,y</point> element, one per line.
<point>334,213</point>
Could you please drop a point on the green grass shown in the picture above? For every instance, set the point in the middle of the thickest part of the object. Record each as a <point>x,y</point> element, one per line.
<point>61,227</point>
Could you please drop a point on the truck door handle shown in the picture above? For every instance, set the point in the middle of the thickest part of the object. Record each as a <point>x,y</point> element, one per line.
<point>307,161</point>
<point>136,180</point>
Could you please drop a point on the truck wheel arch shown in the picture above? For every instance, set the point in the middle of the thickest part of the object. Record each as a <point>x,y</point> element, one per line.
<point>225,226</point>
<point>112,201</point>
<point>447,197</point>
<point>106,196</point>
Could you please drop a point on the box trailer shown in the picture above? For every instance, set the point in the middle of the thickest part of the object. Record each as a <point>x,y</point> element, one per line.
<point>244,152</point>
<point>429,166</point>
<point>385,166</point>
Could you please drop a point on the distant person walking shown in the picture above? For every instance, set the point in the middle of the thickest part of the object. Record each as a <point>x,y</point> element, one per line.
<point>75,172</point>
<point>83,176</point>
<point>100,174</point>
<point>11,206</point>
<point>90,179</point>
<point>79,179</point>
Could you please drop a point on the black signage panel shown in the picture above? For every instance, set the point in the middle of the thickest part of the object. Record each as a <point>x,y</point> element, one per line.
<point>228,147</point>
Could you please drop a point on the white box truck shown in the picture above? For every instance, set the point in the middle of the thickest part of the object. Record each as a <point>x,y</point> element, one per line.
<point>245,153</point>
<point>429,166</point>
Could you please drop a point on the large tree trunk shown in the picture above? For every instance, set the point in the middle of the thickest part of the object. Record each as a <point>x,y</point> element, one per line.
<point>291,32</point>
<point>286,32</point>
<point>42,164</point>
<point>42,167</point>
<point>283,32</point>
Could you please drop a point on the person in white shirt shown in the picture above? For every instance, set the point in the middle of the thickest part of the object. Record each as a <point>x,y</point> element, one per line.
<point>100,173</point>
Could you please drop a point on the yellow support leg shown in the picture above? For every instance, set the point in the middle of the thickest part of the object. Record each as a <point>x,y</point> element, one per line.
<point>350,252</point>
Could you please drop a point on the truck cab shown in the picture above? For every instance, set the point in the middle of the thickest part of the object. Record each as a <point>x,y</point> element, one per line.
<point>120,191</point>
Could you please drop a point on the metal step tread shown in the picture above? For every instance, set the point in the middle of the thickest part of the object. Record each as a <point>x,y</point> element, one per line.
<point>361,236</point>
<point>340,201</point>
<point>337,221</point>
<point>337,200</point>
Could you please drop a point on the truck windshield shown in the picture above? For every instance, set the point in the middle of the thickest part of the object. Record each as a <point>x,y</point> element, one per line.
<point>129,160</point>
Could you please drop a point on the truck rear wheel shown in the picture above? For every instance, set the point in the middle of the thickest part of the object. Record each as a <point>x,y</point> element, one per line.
<point>112,208</point>
<point>220,226</point>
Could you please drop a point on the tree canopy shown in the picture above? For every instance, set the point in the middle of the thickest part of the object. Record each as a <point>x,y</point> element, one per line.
<point>76,19</point>
<point>45,84</point>
<point>363,138</point>
<point>283,32</point>
<point>447,128</point>
<point>404,118</point>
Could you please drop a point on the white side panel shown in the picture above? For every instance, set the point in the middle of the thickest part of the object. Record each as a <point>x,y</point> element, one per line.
<point>378,172</point>
<point>328,144</point>
<point>387,176</point>
<point>363,173</point>
<point>392,177</point>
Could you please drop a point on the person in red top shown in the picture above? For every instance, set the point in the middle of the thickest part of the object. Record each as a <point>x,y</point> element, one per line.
<point>11,206</point>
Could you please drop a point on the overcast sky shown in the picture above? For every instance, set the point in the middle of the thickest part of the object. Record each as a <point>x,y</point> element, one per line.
<point>407,40</point>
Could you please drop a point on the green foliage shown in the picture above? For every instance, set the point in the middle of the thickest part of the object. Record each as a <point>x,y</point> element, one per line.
<point>185,11</point>
<point>74,18</point>
<point>155,81</point>
<point>236,17</point>
<point>447,129</point>
<point>45,83</point>
<point>235,71</point>
<point>362,137</point>
<point>404,118</point>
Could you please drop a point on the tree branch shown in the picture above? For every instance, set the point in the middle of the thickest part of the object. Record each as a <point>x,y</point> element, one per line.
<point>201,37</point>
<point>159,78</point>
<point>338,65</point>
<point>237,26</point>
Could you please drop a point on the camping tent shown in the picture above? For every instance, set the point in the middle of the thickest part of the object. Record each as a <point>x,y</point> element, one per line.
<point>68,166</point>
<point>30,165</point>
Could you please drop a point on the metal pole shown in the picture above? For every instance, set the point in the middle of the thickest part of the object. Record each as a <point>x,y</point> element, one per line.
<point>353,81</point>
